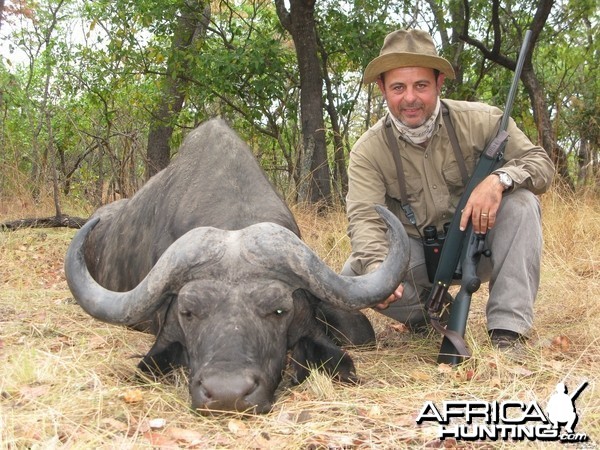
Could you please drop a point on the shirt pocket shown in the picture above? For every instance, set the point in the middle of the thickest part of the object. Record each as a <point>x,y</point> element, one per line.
<point>413,185</point>
<point>452,174</point>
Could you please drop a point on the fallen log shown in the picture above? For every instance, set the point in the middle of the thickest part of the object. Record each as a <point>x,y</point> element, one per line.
<point>44,222</point>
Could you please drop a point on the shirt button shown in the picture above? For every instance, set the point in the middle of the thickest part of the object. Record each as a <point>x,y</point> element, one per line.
<point>434,186</point>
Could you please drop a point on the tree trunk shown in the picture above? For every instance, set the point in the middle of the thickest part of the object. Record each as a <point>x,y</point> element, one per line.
<point>38,162</point>
<point>340,174</point>
<point>452,46</point>
<point>1,12</point>
<point>191,26</point>
<point>158,152</point>
<point>541,116</point>
<point>299,21</point>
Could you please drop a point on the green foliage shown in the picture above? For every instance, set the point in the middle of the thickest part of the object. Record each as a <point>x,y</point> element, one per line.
<point>247,73</point>
<point>79,99</point>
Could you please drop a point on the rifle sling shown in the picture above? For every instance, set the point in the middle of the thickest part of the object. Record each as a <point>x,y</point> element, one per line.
<point>460,160</point>
<point>393,145</point>
<point>455,338</point>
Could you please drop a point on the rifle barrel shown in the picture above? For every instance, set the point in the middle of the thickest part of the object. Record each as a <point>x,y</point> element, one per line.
<point>579,390</point>
<point>515,85</point>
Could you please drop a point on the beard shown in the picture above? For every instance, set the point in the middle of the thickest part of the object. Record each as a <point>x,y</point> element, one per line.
<point>421,128</point>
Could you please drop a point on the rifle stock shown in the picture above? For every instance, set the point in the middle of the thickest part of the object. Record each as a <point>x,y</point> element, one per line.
<point>463,249</point>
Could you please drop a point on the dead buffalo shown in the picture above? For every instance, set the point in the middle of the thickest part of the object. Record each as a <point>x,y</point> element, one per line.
<point>207,257</point>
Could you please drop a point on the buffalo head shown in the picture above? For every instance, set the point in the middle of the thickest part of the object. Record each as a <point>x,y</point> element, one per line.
<point>232,303</point>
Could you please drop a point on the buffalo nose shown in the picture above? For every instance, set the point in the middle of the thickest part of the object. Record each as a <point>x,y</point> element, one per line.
<point>228,392</point>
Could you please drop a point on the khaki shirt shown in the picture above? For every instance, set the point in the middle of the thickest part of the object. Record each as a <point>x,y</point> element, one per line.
<point>432,176</point>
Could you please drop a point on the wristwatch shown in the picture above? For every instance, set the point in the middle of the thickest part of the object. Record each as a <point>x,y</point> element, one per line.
<point>505,180</point>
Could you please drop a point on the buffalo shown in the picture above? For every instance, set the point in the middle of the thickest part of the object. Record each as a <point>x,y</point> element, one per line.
<point>208,258</point>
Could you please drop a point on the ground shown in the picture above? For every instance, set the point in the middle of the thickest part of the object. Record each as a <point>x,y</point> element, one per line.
<point>69,381</point>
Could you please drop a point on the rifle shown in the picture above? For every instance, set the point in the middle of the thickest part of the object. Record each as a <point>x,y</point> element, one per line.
<point>462,250</point>
<point>578,391</point>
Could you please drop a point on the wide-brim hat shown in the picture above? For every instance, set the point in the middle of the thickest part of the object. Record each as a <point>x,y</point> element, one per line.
<point>407,48</point>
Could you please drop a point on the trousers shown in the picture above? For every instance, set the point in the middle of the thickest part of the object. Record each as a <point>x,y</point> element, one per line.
<point>512,270</point>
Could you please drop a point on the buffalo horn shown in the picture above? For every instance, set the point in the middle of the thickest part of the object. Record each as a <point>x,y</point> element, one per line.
<point>269,250</point>
<point>180,263</point>
<point>296,262</point>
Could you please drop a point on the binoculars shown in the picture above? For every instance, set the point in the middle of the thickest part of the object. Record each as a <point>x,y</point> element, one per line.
<point>432,247</point>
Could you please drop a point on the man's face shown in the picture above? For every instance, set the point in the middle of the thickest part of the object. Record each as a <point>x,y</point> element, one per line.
<point>411,93</point>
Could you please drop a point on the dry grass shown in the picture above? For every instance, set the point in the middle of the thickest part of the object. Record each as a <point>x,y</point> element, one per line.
<point>68,381</point>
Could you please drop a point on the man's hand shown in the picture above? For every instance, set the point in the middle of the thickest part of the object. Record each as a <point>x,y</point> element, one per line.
<point>483,204</point>
<point>391,299</point>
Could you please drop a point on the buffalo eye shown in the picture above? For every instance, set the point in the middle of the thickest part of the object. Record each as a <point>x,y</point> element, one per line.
<point>279,312</point>
<point>185,314</point>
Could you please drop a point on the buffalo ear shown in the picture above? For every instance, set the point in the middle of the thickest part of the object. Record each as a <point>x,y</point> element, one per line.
<point>321,353</point>
<point>161,360</point>
<point>311,347</point>
<point>346,328</point>
<point>168,352</point>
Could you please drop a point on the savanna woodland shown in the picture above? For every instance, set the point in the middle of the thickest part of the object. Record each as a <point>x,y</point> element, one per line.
<point>96,96</point>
